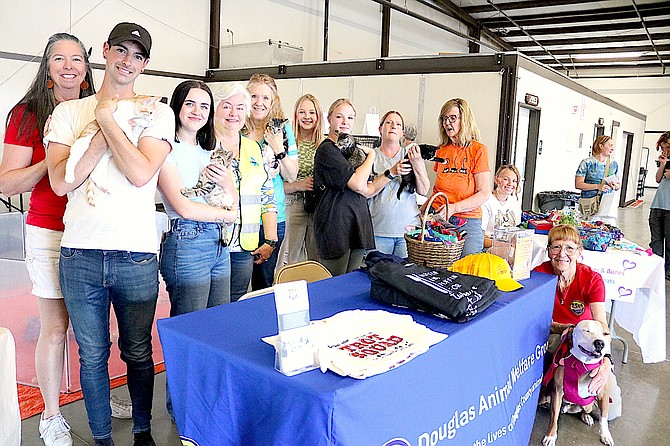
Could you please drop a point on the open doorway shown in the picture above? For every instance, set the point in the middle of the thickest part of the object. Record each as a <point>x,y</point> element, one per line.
<point>626,178</point>
<point>527,148</point>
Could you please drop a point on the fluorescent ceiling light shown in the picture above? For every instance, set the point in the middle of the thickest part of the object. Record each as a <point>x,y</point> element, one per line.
<point>624,55</point>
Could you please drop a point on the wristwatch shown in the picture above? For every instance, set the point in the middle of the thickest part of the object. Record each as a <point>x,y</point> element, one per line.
<point>280,155</point>
<point>387,174</point>
<point>272,243</point>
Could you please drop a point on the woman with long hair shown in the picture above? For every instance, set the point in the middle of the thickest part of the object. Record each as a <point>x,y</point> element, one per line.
<point>194,262</point>
<point>342,222</point>
<point>465,176</point>
<point>591,173</point>
<point>64,74</point>
<point>281,158</point>
<point>299,241</point>
<point>659,212</point>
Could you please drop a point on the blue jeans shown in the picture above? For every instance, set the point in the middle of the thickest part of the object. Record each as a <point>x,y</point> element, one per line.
<point>264,274</point>
<point>196,270</point>
<point>474,242</point>
<point>91,280</point>
<point>241,267</point>
<point>195,267</point>
<point>659,226</point>
<point>391,245</point>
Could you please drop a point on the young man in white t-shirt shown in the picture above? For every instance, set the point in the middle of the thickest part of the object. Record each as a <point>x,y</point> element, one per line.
<point>108,251</point>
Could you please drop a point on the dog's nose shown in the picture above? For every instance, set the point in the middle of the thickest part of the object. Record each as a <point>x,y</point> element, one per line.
<point>598,344</point>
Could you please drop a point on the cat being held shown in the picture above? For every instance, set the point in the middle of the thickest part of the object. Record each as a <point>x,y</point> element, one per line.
<point>133,115</point>
<point>215,195</point>
<point>274,125</point>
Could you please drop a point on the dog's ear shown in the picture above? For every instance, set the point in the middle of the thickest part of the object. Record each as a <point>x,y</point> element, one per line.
<point>568,336</point>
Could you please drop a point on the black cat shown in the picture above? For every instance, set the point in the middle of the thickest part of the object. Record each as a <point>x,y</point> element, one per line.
<point>408,181</point>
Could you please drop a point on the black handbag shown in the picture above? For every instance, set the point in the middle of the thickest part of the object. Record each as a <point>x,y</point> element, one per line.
<point>310,199</point>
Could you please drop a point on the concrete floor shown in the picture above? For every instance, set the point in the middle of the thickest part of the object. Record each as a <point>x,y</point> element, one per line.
<point>645,391</point>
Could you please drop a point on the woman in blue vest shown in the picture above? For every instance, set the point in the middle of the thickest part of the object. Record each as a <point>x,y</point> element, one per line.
<point>255,187</point>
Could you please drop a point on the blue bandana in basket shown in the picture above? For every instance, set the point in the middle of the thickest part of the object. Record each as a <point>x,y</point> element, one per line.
<point>595,239</point>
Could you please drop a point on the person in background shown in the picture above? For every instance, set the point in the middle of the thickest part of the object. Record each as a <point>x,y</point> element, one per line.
<point>281,161</point>
<point>299,243</point>
<point>254,185</point>
<point>580,291</point>
<point>503,208</point>
<point>465,176</point>
<point>64,74</point>
<point>590,174</point>
<point>342,222</point>
<point>390,214</point>
<point>659,212</point>
<point>109,251</point>
<point>194,262</point>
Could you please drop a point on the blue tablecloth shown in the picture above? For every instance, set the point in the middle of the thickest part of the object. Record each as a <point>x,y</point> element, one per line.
<point>478,386</point>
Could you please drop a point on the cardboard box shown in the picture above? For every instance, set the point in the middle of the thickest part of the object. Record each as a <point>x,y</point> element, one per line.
<point>515,245</point>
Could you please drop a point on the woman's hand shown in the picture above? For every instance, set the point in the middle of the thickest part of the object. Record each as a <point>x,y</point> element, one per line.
<point>219,174</point>
<point>402,167</point>
<point>275,140</point>
<point>600,376</point>
<point>262,253</point>
<point>306,185</point>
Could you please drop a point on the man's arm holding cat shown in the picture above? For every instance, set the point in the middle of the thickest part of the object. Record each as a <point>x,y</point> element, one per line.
<point>57,156</point>
<point>139,164</point>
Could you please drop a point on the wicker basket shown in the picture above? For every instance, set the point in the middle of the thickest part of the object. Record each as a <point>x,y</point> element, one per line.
<point>436,254</point>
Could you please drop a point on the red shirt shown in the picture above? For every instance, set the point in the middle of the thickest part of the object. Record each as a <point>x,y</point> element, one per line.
<point>46,208</point>
<point>574,305</point>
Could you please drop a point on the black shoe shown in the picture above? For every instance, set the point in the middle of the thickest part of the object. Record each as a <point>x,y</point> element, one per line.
<point>144,439</point>
<point>104,442</point>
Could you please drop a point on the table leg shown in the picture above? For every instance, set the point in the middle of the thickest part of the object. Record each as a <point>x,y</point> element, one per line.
<point>615,337</point>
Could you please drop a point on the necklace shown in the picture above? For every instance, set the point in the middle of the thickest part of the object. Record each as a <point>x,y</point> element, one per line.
<point>562,289</point>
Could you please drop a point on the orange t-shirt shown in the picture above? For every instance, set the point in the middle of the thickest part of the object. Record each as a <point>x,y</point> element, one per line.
<point>456,177</point>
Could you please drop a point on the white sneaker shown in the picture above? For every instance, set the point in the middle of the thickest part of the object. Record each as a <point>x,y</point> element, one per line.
<point>55,431</point>
<point>121,408</point>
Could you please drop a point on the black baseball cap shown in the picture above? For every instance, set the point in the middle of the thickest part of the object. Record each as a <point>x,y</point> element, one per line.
<point>130,31</point>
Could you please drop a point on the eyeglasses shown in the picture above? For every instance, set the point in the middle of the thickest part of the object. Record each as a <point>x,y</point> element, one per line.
<point>569,249</point>
<point>450,118</point>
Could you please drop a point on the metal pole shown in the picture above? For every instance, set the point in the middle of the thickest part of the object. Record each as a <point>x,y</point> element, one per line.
<point>326,9</point>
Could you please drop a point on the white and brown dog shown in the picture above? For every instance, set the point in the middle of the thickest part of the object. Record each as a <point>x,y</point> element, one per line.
<point>568,378</point>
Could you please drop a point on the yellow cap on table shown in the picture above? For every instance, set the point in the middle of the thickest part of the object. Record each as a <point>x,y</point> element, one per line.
<point>489,266</point>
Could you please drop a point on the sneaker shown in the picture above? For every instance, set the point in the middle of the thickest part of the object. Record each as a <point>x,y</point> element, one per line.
<point>55,431</point>
<point>121,408</point>
<point>144,439</point>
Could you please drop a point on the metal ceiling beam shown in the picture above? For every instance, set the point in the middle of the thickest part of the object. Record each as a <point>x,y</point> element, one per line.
<point>436,24</point>
<point>586,40</point>
<point>599,50</point>
<point>450,9</point>
<point>581,16</point>
<point>567,58</point>
<point>528,35</point>
<point>509,6</point>
<point>644,24</point>
<point>580,29</point>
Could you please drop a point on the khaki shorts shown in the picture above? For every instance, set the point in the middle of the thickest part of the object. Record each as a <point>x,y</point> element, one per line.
<point>42,257</point>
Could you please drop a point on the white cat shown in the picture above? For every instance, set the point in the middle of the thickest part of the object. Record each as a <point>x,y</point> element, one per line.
<point>133,115</point>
